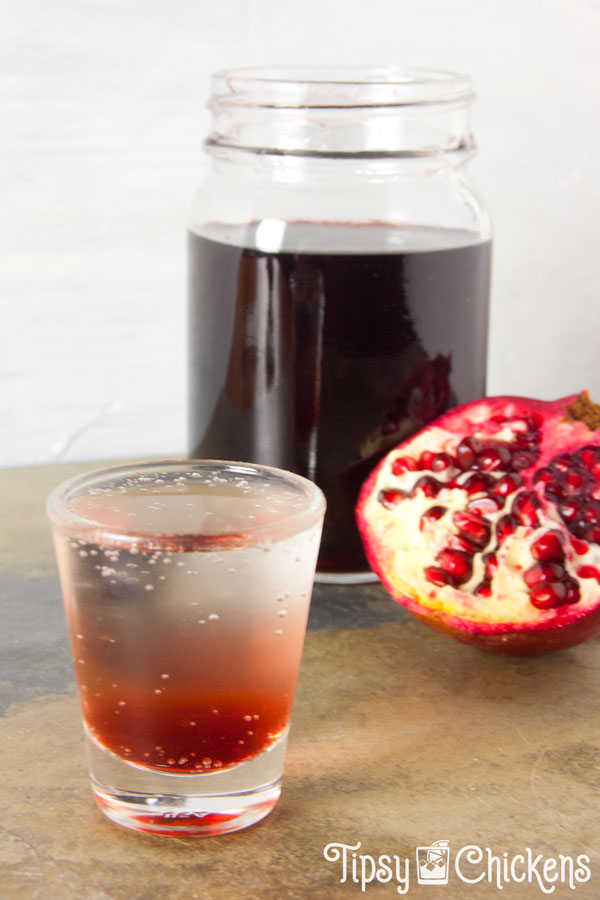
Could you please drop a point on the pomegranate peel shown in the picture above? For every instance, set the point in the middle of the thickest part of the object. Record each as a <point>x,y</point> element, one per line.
<point>486,523</point>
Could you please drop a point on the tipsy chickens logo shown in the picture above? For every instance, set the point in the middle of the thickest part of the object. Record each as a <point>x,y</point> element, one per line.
<point>472,865</point>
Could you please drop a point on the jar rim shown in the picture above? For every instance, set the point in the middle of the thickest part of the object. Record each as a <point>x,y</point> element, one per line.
<point>338,86</point>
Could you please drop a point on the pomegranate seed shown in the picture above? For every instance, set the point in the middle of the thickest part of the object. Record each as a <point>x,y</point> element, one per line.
<point>455,563</point>
<point>589,456</point>
<point>588,572</point>
<point>461,542</point>
<point>476,528</point>
<point>429,486</point>
<point>562,463</point>
<point>431,515</point>
<point>522,459</point>
<point>506,526</point>
<point>505,452</point>
<point>485,506</point>
<point>483,589</point>
<point>493,458</point>
<point>425,459</point>
<point>548,547</point>
<point>490,561</point>
<point>441,461</point>
<point>548,595</point>
<point>591,513</point>
<point>437,576</point>
<point>573,594</point>
<point>525,506</point>
<point>575,481</point>
<point>535,420</point>
<point>403,464</point>
<point>543,571</point>
<point>579,527</point>
<point>508,484</point>
<point>477,483</point>
<point>389,498</point>
<point>547,476</point>
<point>528,440</point>
<point>580,547</point>
<point>555,491</point>
<point>569,510</point>
<point>467,451</point>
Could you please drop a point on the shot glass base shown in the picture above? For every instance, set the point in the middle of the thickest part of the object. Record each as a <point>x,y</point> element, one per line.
<point>188,805</point>
<point>190,816</point>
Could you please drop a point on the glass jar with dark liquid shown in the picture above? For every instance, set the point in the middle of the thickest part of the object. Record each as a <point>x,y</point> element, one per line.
<point>339,276</point>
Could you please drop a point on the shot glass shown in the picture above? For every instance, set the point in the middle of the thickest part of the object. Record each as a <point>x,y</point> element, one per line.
<point>186,587</point>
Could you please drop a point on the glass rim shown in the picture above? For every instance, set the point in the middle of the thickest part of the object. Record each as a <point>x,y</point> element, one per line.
<point>338,86</point>
<point>66,521</point>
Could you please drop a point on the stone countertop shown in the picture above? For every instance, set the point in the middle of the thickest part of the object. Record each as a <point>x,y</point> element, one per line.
<point>400,737</point>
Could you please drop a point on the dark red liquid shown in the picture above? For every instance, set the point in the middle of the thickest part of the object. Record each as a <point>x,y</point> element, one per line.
<point>185,733</point>
<point>320,363</point>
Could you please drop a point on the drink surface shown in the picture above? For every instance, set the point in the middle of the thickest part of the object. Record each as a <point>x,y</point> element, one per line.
<point>323,355</point>
<point>187,641</point>
<point>192,509</point>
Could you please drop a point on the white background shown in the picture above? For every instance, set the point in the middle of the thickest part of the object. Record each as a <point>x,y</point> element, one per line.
<point>102,119</point>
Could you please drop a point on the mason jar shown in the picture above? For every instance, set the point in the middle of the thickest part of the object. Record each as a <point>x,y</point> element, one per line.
<point>339,268</point>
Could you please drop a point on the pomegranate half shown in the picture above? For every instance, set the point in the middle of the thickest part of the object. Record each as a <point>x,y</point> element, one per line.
<point>486,524</point>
